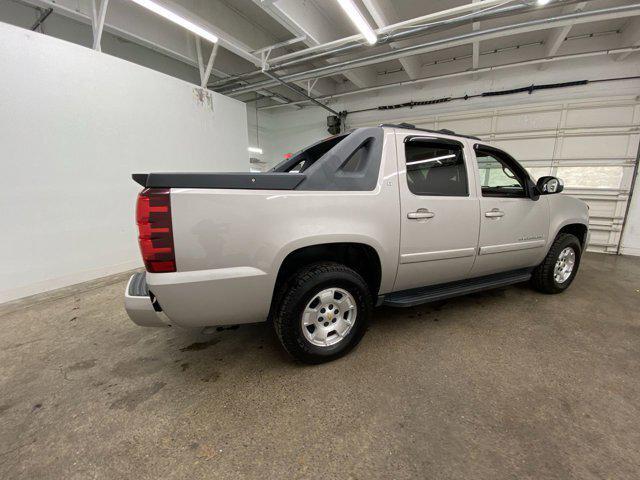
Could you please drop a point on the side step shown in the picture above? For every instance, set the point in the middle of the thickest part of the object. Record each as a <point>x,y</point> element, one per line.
<point>417,296</point>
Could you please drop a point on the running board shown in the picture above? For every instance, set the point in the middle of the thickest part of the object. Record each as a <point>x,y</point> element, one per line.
<point>417,296</point>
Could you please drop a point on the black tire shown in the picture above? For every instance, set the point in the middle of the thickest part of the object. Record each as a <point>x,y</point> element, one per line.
<point>543,275</point>
<point>301,289</point>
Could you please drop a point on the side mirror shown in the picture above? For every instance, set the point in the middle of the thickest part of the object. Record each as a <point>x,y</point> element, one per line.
<point>548,185</point>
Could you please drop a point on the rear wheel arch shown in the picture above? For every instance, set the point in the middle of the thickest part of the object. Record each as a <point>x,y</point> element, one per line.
<point>360,257</point>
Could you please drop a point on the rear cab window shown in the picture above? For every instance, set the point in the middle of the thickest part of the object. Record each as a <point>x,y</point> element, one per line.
<point>306,157</point>
<point>346,162</point>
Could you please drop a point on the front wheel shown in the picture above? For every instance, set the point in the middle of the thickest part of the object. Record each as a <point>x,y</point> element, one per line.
<point>559,267</point>
<point>323,312</point>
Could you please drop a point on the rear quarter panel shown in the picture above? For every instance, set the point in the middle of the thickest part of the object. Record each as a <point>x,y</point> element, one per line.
<point>246,234</point>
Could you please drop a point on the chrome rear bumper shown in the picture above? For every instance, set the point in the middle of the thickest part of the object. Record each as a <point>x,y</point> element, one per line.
<point>139,303</point>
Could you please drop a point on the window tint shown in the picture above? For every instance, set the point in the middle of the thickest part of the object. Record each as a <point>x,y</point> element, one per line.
<point>497,178</point>
<point>298,167</point>
<point>307,157</point>
<point>357,160</point>
<point>435,168</point>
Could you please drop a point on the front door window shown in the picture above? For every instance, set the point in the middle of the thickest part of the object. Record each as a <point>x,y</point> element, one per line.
<point>497,177</point>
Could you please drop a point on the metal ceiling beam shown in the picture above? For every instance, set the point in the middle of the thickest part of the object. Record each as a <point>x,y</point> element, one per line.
<point>475,46</point>
<point>205,71</point>
<point>383,13</point>
<point>85,17</point>
<point>299,91</point>
<point>423,29</point>
<point>225,39</point>
<point>557,35</point>
<point>44,14</point>
<point>559,58</point>
<point>390,28</point>
<point>199,57</point>
<point>123,23</point>
<point>396,37</point>
<point>121,19</point>
<point>280,45</point>
<point>630,36</point>
<point>464,39</point>
<point>318,86</point>
<point>99,10</point>
<point>303,19</point>
<point>304,35</point>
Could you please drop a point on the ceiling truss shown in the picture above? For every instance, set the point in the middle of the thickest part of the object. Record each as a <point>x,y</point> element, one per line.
<point>331,64</point>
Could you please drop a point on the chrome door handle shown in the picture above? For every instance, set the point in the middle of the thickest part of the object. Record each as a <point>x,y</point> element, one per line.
<point>495,213</point>
<point>421,213</point>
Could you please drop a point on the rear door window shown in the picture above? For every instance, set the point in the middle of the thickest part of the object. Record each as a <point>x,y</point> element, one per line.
<point>435,167</point>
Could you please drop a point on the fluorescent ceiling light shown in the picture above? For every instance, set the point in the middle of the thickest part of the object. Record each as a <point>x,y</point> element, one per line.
<point>175,18</point>
<point>543,2</point>
<point>255,150</point>
<point>359,21</point>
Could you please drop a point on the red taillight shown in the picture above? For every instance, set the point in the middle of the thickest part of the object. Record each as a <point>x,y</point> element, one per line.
<point>155,235</point>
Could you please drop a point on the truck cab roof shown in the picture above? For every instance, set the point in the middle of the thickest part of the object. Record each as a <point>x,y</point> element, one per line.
<point>442,131</point>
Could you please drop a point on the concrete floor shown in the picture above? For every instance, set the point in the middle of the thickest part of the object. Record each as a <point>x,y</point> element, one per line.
<point>503,384</point>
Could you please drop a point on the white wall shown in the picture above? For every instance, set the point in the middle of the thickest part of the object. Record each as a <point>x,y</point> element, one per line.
<point>74,125</point>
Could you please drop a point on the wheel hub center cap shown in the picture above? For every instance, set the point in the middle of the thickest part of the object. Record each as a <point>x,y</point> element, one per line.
<point>329,316</point>
<point>564,265</point>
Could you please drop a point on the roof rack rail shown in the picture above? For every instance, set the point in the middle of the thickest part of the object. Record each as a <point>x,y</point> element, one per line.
<point>444,131</point>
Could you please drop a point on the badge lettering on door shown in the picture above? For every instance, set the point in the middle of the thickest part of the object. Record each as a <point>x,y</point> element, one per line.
<point>532,237</point>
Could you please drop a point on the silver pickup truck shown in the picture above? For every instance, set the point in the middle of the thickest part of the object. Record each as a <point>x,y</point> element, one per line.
<point>390,215</point>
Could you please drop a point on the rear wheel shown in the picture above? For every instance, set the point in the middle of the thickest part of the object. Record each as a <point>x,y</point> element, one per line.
<point>559,268</point>
<point>323,312</point>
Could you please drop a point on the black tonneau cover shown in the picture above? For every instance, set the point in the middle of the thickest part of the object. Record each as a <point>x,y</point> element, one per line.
<point>250,181</point>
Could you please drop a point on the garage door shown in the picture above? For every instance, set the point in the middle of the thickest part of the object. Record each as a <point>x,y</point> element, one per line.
<point>591,145</point>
